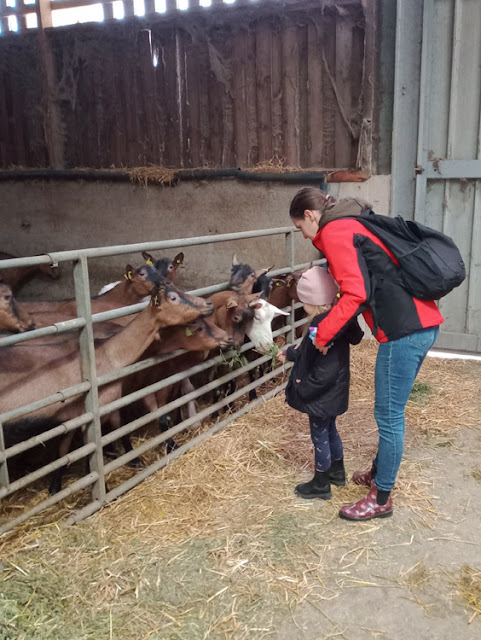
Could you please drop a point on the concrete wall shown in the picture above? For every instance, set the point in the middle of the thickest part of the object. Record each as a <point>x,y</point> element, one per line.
<point>44,216</point>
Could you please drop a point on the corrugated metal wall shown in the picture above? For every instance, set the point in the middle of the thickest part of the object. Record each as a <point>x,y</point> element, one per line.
<point>224,89</point>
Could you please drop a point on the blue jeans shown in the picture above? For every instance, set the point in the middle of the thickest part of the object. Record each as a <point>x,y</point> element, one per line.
<point>397,365</point>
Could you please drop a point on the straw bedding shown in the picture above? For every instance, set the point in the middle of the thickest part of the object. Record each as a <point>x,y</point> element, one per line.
<point>215,543</point>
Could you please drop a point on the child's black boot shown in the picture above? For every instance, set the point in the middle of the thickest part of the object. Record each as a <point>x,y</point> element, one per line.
<point>337,473</point>
<point>318,487</point>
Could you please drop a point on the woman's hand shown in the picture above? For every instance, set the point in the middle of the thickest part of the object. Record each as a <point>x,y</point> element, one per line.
<point>323,350</point>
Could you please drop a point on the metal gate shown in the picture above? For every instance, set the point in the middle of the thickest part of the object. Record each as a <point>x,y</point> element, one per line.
<point>94,412</point>
<point>437,142</point>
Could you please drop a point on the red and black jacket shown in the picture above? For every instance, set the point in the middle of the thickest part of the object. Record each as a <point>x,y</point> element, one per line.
<point>368,275</point>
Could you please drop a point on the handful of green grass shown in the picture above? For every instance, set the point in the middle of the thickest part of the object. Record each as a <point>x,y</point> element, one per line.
<point>272,351</point>
<point>237,360</point>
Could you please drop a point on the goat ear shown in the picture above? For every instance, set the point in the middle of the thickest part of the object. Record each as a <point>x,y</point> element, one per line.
<point>129,272</point>
<point>234,260</point>
<point>252,297</point>
<point>155,297</point>
<point>255,305</point>
<point>231,303</point>
<point>261,272</point>
<point>179,259</point>
<point>148,258</point>
<point>279,312</point>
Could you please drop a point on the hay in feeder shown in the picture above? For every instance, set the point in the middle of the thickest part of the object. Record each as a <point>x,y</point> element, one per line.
<point>155,175</point>
<point>274,165</point>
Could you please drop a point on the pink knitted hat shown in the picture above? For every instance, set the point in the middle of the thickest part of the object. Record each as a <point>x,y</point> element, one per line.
<point>316,286</point>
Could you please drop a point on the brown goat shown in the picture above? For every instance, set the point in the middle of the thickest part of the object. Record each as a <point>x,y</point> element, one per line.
<point>168,306</point>
<point>12,318</point>
<point>16,277</point>
<point>136,285</point>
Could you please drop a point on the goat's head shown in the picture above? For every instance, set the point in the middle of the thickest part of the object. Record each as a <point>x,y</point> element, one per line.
<point>243,277</point>
<point>232,313</point>
<point>174,307</point>
<point>201,335</point>
<point>165,266</point>
<point>11,317</point>
<point>143,280</point>
<point>260,330</point>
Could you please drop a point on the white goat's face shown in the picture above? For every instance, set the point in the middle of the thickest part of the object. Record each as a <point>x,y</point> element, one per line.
<point>261,331</point>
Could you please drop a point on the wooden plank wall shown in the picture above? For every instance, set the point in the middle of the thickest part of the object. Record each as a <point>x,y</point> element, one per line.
<point>195,91</point>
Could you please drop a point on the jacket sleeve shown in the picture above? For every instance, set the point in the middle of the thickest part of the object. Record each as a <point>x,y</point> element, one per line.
<point>292,354</point>
<point>353,332</point>
<point>347,266</point>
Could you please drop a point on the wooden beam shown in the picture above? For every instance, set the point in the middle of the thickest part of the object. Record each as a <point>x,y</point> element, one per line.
<point>52,115</point>
<point>44,14</point>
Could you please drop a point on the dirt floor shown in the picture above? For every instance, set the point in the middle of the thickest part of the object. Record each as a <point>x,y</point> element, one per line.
<point>218,546</point>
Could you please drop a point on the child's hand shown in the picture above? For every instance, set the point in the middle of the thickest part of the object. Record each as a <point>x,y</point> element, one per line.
<point>281,357</point>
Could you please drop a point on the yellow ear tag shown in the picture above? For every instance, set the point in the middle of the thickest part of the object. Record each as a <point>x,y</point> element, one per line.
<point>338,295</point>
<point>128,275</point>
<point>188,332</point>
<point>149,262</point>
<point>156,301</point>
<point>178,261</point>
<point>278,284</point>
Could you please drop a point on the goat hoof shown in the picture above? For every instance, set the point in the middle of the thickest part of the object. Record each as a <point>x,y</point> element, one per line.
<point>252,394</point>
<point>54,488</point>
<point>171,445</point>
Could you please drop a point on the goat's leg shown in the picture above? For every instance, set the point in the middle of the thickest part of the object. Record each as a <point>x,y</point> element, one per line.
<point>186,387</point>
<point>57,475</point>
<point>162,397</point>
<point>115,423</point>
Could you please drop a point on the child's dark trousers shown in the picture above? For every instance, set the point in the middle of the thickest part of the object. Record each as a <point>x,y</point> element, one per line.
<point>326,440</point>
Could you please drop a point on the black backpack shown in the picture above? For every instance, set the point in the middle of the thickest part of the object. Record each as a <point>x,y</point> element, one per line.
<point>430,263</point>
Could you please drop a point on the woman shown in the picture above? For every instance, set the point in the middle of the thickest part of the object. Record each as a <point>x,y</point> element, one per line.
<point>405,327</point>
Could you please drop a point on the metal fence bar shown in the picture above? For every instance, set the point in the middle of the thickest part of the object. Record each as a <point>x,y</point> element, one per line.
<point>4,477</point>
<point>78,485</point>
<point>117,250</point>
<point>152,442</point>
<point>177,377</point>
<point>60,396</point>
<point>89,372</point>
<point>42,438</point>
<point>56,328</point>
<point>78,454</point>
<point>80,515</point>
<point>289,243</point>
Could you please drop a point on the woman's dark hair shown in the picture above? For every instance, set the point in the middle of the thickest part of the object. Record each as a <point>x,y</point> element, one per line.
<point>307,198</point>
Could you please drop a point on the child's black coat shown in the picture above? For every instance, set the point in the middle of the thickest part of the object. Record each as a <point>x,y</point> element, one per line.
<point>323,389</point>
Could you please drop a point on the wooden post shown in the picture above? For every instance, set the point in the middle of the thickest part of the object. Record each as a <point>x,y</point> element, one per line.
<point>3,19</point>
<point>365,150</point>
<point>52,114</point>
<point>128,8</point>
<point>149,7</point>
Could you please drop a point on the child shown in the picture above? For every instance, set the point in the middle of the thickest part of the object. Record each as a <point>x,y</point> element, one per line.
<point>319,384</point>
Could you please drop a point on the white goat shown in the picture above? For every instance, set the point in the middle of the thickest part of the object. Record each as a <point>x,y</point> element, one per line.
<point>260,332</point>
